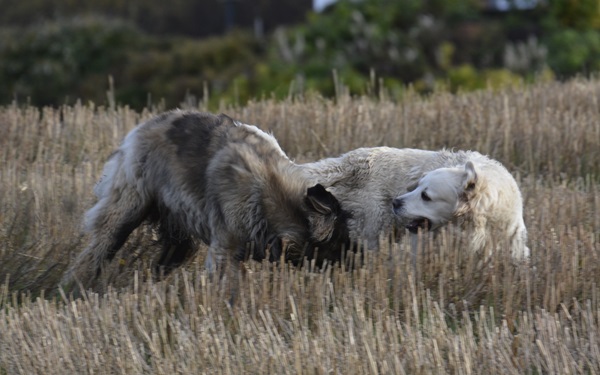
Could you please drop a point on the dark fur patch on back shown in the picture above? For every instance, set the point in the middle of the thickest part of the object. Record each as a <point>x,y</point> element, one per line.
<point>197,137</point>
<point>193,133</point>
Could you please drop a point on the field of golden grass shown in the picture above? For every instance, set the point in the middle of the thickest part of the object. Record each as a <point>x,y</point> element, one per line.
<point>456,314</point>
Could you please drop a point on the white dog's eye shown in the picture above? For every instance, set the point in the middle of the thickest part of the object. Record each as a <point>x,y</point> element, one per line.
<point>425,197</point>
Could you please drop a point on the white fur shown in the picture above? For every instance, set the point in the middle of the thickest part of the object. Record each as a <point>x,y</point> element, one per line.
<point>368,180</point>
<point>435,199</point>
<point>266,136</point>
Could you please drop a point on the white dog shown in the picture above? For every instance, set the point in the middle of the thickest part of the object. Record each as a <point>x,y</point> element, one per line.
<point>387,188</point>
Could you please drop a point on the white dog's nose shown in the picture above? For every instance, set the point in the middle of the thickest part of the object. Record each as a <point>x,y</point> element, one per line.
<point>397,204</point>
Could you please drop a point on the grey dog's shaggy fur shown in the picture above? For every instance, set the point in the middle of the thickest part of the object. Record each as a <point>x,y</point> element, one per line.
<point>209,178</point>
<point>368,180</point>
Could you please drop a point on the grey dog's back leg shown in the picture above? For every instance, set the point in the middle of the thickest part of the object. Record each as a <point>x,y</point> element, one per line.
<point>109,223</point>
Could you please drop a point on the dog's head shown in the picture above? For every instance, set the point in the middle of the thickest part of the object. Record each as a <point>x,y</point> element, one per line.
<point>324,235</point>
<point>438,197</point>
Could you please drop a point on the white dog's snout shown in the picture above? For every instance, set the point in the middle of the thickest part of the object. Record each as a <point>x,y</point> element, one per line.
<point>397,204</point>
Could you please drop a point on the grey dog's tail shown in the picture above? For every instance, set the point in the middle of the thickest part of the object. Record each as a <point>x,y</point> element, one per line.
<point>120,208</point>
<point>102,189</point>
<point>82,268</point>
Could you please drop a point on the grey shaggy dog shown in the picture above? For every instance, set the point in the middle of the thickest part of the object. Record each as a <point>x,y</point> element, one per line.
<point>204,177</point>
<point>386,189</point>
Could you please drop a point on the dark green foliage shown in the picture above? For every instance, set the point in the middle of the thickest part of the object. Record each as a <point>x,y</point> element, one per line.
<point>574,51</point>
<point>158,17</point>
<point>580,14</point>
<point>367,46</point>
<point>178,67</point>
<point>57,60</point>
<point>61,61</point>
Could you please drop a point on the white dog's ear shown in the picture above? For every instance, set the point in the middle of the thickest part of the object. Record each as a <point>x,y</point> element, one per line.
<point>470,179</point>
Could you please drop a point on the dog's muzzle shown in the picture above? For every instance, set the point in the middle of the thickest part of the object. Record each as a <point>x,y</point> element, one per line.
<point>414,225</point>
<point>397,205</point>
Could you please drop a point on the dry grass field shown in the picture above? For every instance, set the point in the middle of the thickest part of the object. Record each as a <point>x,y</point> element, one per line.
<point>457,314</point>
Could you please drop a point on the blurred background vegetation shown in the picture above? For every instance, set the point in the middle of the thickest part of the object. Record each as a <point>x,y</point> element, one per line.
<point>54,52</point>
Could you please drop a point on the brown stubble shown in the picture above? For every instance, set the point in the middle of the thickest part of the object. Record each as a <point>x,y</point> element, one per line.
<point>458,313</point>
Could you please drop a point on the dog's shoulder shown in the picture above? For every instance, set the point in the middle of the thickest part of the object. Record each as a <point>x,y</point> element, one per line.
<point>252,136</point>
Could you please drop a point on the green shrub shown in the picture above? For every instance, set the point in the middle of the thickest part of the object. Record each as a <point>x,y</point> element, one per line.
<point>424,44</point>
<point>47,63</point>
<point>573,51</point>
<point>177,67</point>
<point>580,14</point>
<point>71,59</point>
